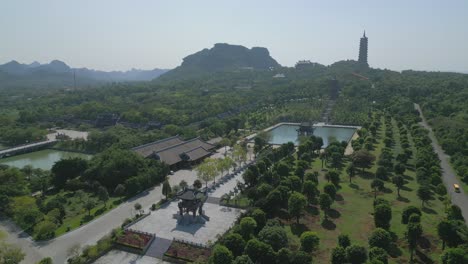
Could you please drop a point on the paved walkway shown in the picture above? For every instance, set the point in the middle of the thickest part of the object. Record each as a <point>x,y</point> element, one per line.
<point>90,233</point>
<point>158,247</point>
<point>448,175</point>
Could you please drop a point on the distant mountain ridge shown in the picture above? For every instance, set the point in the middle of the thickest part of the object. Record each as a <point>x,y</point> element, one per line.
<point>57,73</point>
<point>224,57</point>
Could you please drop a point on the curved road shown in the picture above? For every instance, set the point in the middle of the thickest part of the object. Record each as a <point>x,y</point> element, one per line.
<point>448,175</point>
<point>90,233</point>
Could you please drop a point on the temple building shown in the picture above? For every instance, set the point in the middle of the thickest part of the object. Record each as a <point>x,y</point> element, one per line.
<point>363,51</point>
<point>176,152</point>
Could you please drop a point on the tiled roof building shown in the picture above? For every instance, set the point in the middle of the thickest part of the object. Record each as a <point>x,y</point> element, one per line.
<point>176,152</point>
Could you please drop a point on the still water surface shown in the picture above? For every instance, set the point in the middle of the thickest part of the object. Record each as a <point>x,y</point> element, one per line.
<point>288,133</point>
<point>43,159</point>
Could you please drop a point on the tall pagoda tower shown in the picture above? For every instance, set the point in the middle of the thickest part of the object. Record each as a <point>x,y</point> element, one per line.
<point>363,50</point>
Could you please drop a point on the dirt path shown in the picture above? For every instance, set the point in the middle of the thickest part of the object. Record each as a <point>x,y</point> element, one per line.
<point>448,175</point>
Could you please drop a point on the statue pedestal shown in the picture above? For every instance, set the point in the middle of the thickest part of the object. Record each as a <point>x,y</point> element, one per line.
<point>188,219</point>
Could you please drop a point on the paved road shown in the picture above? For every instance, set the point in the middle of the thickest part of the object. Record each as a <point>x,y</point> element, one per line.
<point>93,231</point>
<point>449,178</point>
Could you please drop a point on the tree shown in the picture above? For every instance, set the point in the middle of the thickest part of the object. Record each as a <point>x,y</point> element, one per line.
<point>103,194</point>
<point>247,227</point>
<point>344,241</point>
<point>413,233</point>
<point>296,205</point>
<point>309,189</point>
<point>119,190</point>
<point>275,236</point>
<point>44,230</point>
<point>80,194</point>
<point>453,232</point>
<point>296,183</point>
<point>400,168</point>
<point>221,255</point>
<point>259,252</point>
<point>330,189</point>
<point>65,169</point>
<point>444,230</point>
<point>333,176</point>
<point>239,153</point>
<point>325,202</point>
<point>206,171</point>
<point>378,254</point>
<point>424,194</point>
<point>244,259</point>
<point>356,254</point>
<point>454,256</point>
<point>382,216</point>
<point>454,213</point>
<point>137,207</point>
<point>235,243</point>
<point>47,260</point>
<point>166,188</point>
<point>380,238</point>
<point>362,159</point>
<point>351,170</point>
<point>10,254</point>
<point>197,184</point>
<point>89,205</point>
<point>284,255</point>
<point>309,241</point>
<point>338,256</point>
<point>300,257</point>
<point>183,184</point>
<point>407,212</point>
<point>399,182</point>
<point>260,218</point>
<point>25,211</point>
<point>382,173</point>
<point>377,184</point>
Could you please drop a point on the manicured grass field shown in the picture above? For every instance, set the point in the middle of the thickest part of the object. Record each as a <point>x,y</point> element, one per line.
<point>352,213</point>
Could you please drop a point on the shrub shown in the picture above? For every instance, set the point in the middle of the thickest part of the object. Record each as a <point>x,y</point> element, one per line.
<point>275,236</point>
<point>221,255</point>
<point>259,252</point>
<point>235,243</point>
<point>407,212</point>
<point>260,217</point>
<point>247,227</point>
<point>380,238</point>
<point>309,241</point>
<point>244,259</point>
<point>338,256</point>
<point>344,241</point>
<point>356,254</point>
<point>378,254</point>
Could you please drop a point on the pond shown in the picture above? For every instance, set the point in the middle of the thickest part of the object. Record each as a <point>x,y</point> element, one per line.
<point>288,133</point>
<point>43,159</point>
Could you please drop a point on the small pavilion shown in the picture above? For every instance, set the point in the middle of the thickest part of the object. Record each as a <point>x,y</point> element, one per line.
<point>191,201</point>
<point>306,128</point>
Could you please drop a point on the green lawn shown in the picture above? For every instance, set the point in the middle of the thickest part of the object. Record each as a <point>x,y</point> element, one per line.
<point>352,213</point>
<point>75,213</point>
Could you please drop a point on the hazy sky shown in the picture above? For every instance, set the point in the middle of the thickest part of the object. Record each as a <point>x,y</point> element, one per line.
<point>119,35</point>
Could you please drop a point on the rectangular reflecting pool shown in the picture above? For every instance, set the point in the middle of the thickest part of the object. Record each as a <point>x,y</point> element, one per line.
<point>42,159</point>
<point>288,133</point>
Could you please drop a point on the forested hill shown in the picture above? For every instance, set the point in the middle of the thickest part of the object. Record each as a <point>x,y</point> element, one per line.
<point>58,74</point>
<point>223,57</point>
